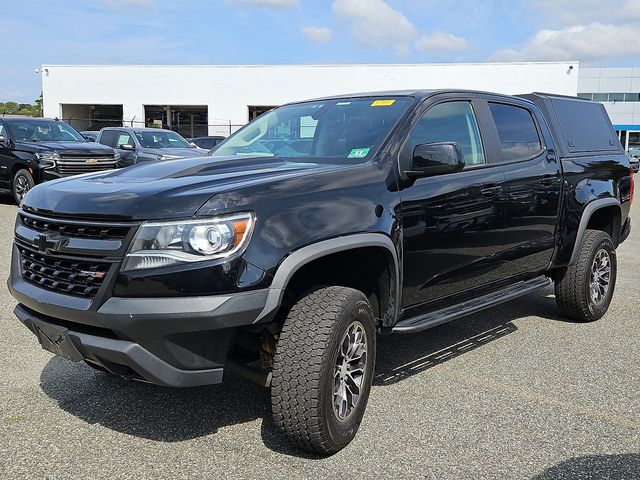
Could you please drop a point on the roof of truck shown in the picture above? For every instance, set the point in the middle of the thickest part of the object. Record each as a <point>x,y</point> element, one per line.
<point>417,93</point>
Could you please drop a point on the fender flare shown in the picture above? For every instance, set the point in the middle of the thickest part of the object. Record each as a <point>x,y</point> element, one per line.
<point>293,262</point>
<point>587,213</point>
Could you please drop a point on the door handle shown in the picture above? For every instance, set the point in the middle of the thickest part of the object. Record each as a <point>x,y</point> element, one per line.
<point>489,190</point>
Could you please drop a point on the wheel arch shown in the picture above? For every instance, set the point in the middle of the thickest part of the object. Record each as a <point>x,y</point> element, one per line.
<point>306,256</point>
<point>594,215</point>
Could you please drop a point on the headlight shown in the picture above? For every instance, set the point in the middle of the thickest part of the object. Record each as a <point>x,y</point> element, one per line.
<point>116,155</point>
<point>48,156</point>
<point>47,159</point>
<point>161,244</point>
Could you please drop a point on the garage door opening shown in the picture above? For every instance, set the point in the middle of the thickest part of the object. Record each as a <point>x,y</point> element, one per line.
<point>188,120</point>
<point>91,117</point>
<point>257,110</point>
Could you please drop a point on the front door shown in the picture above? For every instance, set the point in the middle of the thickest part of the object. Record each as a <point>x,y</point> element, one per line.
<point>452,224</point>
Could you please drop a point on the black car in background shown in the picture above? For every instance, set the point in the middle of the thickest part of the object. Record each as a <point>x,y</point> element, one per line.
<point>33,150</point>
<point>146,144</point>
<point>206,142</point>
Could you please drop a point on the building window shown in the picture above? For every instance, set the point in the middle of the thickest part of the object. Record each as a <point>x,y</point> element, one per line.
<point>611,97</point>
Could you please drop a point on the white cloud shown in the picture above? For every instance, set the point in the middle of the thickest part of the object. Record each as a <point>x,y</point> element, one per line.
<point>595,41</point>
<point>439,43</point>
<point>269,3</point>
<point>317,34</point>
<point>376,23</point>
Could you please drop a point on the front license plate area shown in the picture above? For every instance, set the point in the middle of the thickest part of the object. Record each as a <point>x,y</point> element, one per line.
<point>56,340</point>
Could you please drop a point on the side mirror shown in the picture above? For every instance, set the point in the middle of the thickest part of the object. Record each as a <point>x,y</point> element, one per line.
<point>126,146</point>
<point>4,141</point>
<point>193,145</point>
<point>435,158</point>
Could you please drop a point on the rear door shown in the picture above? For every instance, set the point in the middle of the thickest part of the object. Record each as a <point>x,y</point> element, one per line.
<point>533,183</point>
<point>453,224</point>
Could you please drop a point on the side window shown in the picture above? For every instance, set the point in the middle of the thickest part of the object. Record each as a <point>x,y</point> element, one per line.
<point>451,122</point>
<point>516,130</point>
<point>108,138</point>
<point>123,138</point>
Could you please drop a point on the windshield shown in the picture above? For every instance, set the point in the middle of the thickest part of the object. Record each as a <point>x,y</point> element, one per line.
<point>347,130</point>
<point>31,130</point>
<point>161,139</point>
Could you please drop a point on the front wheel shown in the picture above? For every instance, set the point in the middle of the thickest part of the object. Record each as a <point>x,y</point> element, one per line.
<point>323,369</point>
<point>22,183</point>
<point>585,289</point>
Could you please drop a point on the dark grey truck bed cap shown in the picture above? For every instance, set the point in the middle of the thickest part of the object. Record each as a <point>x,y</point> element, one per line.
<point>579,127</point>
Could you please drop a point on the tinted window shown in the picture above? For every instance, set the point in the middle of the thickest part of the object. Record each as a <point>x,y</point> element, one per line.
<point>516,130</point>
<point>161,139</point>
<point>337,130</point>
<point>108,138</point>
<point>29,130</point>
<point>451,122</point>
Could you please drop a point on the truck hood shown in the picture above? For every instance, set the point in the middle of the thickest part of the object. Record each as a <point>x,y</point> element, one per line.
<point>65,148</point>
<point>156,190</point>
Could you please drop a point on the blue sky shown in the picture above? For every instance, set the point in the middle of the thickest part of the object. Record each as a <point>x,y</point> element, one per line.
<point>596,32</point>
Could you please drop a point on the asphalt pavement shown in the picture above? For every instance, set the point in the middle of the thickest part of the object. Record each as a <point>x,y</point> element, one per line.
<point>515,392</point>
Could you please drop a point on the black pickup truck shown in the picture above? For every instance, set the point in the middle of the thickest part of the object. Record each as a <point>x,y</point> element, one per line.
<point>34,150</point>
<point>316,227</point>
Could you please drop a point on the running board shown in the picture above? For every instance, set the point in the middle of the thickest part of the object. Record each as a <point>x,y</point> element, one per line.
<point>431,319</point>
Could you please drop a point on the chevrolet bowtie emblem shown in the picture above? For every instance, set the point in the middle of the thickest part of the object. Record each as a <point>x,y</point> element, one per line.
<point>46,244</point>
<point>91,160</point>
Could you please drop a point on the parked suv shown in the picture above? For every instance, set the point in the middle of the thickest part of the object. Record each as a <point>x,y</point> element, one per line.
<point>33,150</point>
<point>144,144</point>
<point>313,228</point>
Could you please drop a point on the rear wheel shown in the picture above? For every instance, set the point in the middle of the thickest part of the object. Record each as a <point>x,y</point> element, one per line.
<point>22,183</point>
<point>323,369</point>
<point>585,290</point>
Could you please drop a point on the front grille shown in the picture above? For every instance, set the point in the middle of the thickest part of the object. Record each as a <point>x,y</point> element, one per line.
<point>73,277</point>
<point>76,230</point>
<point>84,165</point>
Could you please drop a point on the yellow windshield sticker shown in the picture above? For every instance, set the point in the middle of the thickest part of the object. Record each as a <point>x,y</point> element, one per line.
<point>383,103</point>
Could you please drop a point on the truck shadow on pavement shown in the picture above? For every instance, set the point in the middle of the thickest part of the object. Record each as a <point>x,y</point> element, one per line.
<point>611,467</point>
<point>174,415</point>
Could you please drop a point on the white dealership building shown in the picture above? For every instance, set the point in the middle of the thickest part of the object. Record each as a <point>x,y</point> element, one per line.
<point>218,99</point>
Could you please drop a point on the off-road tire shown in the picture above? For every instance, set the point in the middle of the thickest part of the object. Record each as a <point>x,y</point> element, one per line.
<point>302,395</point>
<point>573,287</point>
<point>22,179</point>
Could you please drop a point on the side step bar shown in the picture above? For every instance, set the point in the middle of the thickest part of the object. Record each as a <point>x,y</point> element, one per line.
<point>431,319</point>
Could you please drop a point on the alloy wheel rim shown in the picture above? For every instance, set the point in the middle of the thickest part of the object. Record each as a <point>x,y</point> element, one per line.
<point>22,187</point>
<point>600,276</point>
<point>349,371</point>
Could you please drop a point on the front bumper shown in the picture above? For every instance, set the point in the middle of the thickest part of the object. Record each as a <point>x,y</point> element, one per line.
<point>167,341</point>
